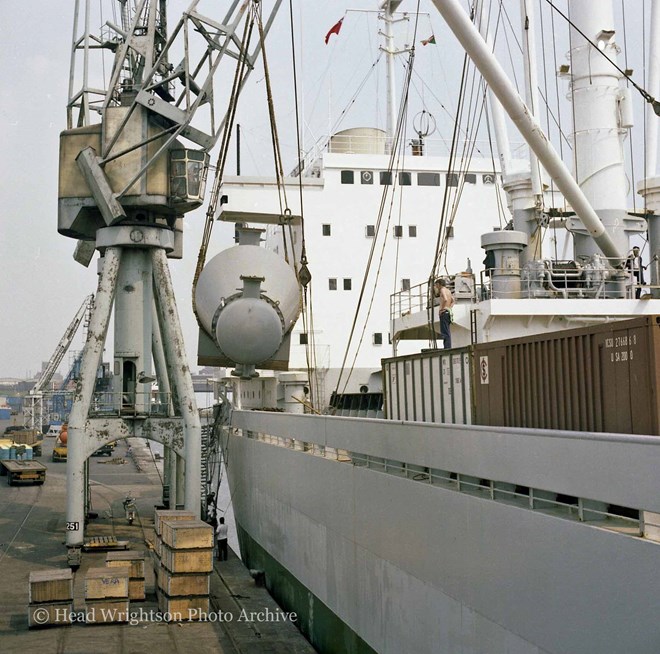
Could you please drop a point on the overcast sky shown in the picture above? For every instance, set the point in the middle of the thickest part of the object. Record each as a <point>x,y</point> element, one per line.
<point>42,286</point>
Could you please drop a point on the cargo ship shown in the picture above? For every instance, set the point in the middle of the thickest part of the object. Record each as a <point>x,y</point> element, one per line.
<point>501,495</point>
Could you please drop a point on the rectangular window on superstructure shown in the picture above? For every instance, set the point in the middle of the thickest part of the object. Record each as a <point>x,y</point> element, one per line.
<point>428,179</point>
<point>405,179</point>
<point>398,231</point>
<point>326,230</point>
<point>303,338</point>
<point>412,231</point>
<point>347,176</point>
<point>470,178</point>
<point>488,178</point>
<point>370,231</point>
<point>385,177</point>
<point>366,177</point>
<point>332,284</point>
<point>347,284</point>
<point>405,284</point>
<point>378,338</point>
<point>452,179</point>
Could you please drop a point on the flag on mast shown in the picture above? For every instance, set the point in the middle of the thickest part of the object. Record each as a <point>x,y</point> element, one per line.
<point>430,40</point>
<point>334,30</point>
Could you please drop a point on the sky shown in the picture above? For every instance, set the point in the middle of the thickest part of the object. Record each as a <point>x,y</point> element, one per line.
<point>42,285</point>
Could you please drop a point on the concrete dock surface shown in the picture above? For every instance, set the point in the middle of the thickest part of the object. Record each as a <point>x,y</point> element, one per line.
<point>243,618</point>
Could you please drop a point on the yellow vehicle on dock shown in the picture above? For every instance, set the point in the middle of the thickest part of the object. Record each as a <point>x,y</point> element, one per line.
<point>60,449</point>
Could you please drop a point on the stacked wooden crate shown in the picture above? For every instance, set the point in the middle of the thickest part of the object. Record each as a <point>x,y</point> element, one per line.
<point>135,561</point>
<point>184,565</point>
<point>50,598</point>
<point>160,517</point>
<point>106,594</point>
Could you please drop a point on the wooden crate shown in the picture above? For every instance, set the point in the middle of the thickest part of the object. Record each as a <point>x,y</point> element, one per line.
<point>180,561</point>
<point>50,614</point>
<point>107,583</point>
<point>171,515</point>
<point>54,585</point>
<point>131,558</point>
<point>107,611</point>
<point>186,534</point>
<point>136,590</point>
<point>175,585</point>
<point>158,547</point>
<point>177,609</point>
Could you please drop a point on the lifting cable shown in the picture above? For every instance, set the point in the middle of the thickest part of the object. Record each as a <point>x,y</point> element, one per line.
<point>445,197</point>
<point>393,166</point>
<point>304,276</point>
<point>239,76</point>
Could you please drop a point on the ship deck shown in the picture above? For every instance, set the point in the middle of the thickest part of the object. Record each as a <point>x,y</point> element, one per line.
<point>32,524</point>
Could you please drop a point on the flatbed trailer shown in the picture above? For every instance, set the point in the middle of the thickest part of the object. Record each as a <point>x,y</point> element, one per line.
<point>23,472</point>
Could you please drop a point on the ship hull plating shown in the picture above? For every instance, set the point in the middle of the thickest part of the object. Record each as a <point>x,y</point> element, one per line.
<point>372,559</point>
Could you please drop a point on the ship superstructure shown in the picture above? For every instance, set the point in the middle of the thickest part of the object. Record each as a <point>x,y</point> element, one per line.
<point>420,534</point>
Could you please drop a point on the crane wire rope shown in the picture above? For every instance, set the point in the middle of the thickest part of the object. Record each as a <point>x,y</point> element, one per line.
<point>304,278</point>
<point>239,74</point>
<point>395,157</point>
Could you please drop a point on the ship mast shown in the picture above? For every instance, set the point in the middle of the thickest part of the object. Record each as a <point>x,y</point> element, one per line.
<point>388,8</point>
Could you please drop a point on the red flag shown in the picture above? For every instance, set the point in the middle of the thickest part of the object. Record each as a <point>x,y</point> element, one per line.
<point>334,30</point>
<point>430,40</point>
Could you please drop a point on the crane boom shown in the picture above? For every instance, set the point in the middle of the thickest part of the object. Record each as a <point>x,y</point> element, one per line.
<point>62,346</point>
<point>33,410</point>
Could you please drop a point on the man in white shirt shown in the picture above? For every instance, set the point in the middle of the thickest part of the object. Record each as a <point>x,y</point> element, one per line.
<point>221,533</point>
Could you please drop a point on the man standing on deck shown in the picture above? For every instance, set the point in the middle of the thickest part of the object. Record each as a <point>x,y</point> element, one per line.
<point>221,533</point>
<point>634,264</point>
<point>441,291</point>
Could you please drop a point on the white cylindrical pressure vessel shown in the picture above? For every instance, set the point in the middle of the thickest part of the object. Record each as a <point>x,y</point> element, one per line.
<point>248,329</point>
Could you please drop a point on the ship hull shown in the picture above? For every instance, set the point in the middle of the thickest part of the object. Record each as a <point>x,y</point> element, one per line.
<point>374,561</point>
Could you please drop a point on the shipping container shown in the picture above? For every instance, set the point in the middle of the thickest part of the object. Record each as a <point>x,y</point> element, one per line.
<point>432,386</point>
<point>603,378</point>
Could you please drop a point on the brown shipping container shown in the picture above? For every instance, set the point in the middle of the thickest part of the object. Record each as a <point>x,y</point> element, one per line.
<point>603,378</point>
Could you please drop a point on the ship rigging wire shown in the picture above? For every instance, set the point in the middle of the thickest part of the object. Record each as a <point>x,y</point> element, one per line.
<point>240,72</point>
<point>396,154</point>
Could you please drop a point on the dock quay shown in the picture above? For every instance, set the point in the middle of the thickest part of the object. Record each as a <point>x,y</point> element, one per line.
<point>242,617</point>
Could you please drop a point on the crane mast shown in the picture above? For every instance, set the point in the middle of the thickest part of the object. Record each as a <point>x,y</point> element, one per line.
<point>133,161</point>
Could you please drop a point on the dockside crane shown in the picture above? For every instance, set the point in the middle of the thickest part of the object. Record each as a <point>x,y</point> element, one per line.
<point>133,161</point>
<point>33,413</point>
